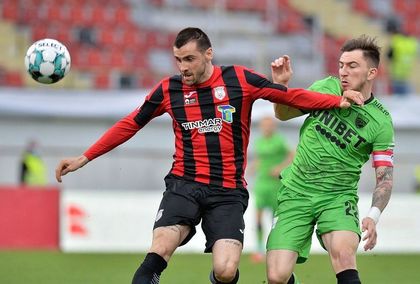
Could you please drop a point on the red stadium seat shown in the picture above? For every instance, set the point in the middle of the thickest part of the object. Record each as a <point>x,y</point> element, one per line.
<point>107,37</point>
<point>10,10</point>
<point>54,14</point>
<point>362,6</point>
<point>97,15</point>
<point>94,59</point>
<point>14,79</point>
<point>78,15</point>
<point>116,59</point>
<point>102,80</point>
<point>38,32</point>
<point>120,16</point>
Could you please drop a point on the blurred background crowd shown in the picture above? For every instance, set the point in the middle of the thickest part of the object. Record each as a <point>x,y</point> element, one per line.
<point>127,44</point>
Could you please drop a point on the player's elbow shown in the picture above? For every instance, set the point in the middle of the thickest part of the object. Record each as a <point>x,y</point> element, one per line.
<point>281,116</point>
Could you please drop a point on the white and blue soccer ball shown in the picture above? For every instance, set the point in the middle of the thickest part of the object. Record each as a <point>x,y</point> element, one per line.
<point>47,61</point>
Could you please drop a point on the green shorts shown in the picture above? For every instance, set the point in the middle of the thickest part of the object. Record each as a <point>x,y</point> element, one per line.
<point>297,214</point>
<point>265,195</point>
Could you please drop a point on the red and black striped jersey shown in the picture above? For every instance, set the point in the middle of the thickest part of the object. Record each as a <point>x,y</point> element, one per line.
<point>211,121</point>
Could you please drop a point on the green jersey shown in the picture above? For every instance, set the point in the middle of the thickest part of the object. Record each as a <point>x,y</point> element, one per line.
<point>335,144</point>
<point>270,152</point>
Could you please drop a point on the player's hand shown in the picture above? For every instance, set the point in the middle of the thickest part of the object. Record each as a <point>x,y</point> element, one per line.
<point>69,165</point>
<point>370,234</point>
<point>281,70</point>
<point>349,97</point>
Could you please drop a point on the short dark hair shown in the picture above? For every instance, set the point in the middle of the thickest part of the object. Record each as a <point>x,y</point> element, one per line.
<point>368,45</point>
<point>193,34</point>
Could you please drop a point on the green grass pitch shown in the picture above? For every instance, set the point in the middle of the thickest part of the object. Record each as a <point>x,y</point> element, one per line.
<point>53,267</point>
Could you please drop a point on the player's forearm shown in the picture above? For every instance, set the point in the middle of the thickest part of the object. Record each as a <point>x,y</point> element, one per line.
<point>309,100</point>
<point>284,112</point>
<point>383,189</point>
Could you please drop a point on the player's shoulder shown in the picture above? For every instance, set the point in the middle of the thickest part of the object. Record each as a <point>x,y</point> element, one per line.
<point>330,84</point>
<point>378,107</point>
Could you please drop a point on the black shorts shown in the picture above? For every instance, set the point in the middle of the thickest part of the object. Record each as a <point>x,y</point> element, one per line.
<point>221,210</point>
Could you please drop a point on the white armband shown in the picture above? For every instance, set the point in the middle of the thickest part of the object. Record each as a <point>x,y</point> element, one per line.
<point>374,213</point>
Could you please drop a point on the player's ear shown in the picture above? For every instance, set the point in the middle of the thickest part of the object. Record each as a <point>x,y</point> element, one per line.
<point>209,54</point>
<point>372,73</point>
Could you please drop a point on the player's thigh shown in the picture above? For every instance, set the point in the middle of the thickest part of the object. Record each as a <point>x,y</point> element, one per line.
<point>223,216</point>
<point>167,239</point>
<point>337,242</point>
<point>179,207</point>
<point>342,248</point>
<point>293,224</point>
<point>337,213</point>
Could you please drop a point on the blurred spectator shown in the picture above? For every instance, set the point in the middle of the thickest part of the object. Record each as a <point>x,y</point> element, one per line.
<point>272,156</point>
<point>401,54</point>
<point>417,179</point>
<point>33,171</point>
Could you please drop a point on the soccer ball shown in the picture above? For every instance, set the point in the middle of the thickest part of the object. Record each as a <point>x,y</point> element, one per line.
<point>47,61</point>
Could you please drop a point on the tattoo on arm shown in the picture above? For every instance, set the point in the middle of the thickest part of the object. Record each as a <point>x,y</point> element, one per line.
<point>383,189</point>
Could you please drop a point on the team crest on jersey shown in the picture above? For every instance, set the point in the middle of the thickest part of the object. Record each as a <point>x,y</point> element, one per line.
<point>190,97</point>
<point>361,121</point>
<point>219,92</point>
<point>345,112</point>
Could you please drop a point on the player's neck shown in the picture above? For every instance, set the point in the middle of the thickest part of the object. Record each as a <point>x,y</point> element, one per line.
<point>366,92</point>
<point>208,73</point>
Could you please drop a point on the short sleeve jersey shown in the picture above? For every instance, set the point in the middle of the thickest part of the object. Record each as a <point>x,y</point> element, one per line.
<point>335,144</point>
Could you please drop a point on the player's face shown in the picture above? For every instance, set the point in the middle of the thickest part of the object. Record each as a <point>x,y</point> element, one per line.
<point>194,64</point>
<point>355,71</point>
<point>267,126</point>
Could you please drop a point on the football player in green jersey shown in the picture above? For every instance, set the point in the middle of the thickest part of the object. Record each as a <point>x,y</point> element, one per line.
<point>320,187</point>
<point>272,155</point>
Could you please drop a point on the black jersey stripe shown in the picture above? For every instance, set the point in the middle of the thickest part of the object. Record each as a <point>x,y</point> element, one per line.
<point>177,105</point>
<point>261,82</point>
<point>145,114</point>
<point>235,92</point>
<point>214,154</point>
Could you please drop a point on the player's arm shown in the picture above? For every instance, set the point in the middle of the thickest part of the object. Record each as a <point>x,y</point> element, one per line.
<point>116,135</point>
<point>381,196</point>
<point>119,133</point>
<point>281,73</point>
<point>260,87</point>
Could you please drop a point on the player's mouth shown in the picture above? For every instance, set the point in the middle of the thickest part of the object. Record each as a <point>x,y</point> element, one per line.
<point>187,76</point>
<point>345,84</point>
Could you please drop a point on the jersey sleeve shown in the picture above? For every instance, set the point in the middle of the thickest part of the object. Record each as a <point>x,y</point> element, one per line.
<point>260,87</point>
<point>127,127</point>
<point>383,146</point>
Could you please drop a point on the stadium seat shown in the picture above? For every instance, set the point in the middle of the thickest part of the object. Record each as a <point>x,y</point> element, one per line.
<point>10,10</point>
<point>97,15</point>
<point>38,32</point>
<point>102,80</point>
<point>120,16</point>
<point>52,14</point>
<point>92,59</point>
<point>14,79</point>
<point>106,37</point>
<point>77,15</point>
<point>362,6</point>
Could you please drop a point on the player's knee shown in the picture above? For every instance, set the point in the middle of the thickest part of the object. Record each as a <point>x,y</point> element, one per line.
<point>275,276</point>
<point>226,274</point>
<point>344,259</point>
